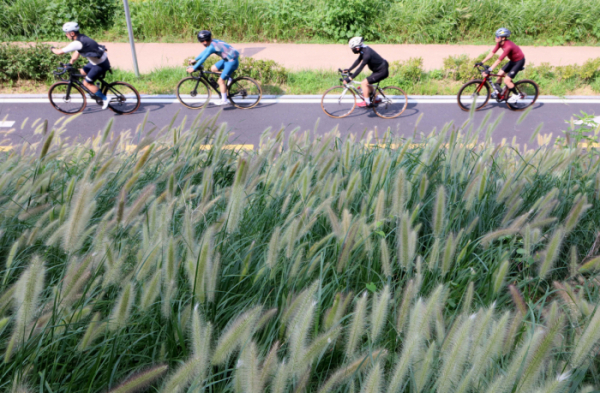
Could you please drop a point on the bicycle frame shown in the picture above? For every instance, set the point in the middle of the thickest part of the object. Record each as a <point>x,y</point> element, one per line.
<point>75,79</point>
<point>352,86</point>
<point>501,95</point>
<point>211,82</point>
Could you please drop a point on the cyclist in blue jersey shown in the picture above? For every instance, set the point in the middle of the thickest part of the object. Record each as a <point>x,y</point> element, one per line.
<point>228,64</point>
<point>98,63</point>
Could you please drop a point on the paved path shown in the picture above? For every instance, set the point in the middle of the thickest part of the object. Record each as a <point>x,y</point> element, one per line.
<point>293,112</point>
<point>332,56</point>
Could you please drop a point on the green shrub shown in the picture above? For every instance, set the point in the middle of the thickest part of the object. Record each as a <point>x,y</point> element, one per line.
<point>40,18</point>
<point>410,70</point>
<point>265,71</point>
<point>344,19</point>
<point>33,62</point>
<point>590,69</point>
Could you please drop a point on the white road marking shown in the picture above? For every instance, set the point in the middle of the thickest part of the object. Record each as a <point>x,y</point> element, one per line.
<point>6,123</point>
<point>306,99</point>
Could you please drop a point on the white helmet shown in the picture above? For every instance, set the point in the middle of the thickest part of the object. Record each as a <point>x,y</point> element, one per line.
<point>355,42</point>
<point>70,26</point>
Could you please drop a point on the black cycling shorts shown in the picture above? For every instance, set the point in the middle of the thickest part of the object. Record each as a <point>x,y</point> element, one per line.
<point>93,72</point>
<point>379,75</point>
<point>512,68</point>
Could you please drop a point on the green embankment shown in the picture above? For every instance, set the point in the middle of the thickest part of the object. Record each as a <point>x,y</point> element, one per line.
<point>29,69</point>
<point>327,265</point>
<point>547,22</point>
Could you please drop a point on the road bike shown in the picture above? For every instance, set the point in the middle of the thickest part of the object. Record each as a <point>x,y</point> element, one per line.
<point>478,92</point>
<point>388,102</point>
<point>194,91</point>
<point>68,95</point>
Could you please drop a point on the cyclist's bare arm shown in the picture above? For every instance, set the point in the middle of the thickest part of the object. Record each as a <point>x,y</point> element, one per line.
<point>74,55</point>
<point>489,56</point>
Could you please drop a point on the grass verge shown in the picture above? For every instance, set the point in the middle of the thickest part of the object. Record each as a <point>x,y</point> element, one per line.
<point>313,263</point>
<point>557,81</point>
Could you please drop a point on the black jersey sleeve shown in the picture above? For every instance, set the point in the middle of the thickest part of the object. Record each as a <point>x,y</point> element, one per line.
<point>365,57</point>
<point>357,62</point>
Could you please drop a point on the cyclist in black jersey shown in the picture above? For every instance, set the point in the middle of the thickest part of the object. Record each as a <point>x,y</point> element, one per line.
<point>98,63</point>
<point>368,57</point>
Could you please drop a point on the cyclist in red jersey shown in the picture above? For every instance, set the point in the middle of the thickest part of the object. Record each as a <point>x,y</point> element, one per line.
<point>511,69</point>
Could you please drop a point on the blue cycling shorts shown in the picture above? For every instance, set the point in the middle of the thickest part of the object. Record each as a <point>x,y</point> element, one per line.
<point>227,67</point>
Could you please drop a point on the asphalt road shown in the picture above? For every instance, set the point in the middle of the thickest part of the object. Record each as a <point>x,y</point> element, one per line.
<point>293,112</point>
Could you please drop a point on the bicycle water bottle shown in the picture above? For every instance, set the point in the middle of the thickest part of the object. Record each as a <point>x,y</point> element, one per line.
<point>496,88</point>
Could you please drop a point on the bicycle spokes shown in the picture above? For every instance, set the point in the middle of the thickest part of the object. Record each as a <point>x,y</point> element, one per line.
<point>390,102</point>
<point>193,92</point>
<point>67,98</point>
<point>245,92</point>
<point>338,102</point>
<point>123,97</point>
<point>527,95</point>
<point>475,93</point>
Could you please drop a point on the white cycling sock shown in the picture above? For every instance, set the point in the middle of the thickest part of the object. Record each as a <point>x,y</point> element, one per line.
<point>368,100</point>
<point>223,97</point>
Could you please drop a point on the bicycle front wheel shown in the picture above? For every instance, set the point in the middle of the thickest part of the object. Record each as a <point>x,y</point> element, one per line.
<point>124,98</point>
<point>244,92</point>
<point>390,102</point>
<point>193,93</point>
<point>338,102</point>
<point>475,92</point>
<point>67,98</point>
<point>528,95</point>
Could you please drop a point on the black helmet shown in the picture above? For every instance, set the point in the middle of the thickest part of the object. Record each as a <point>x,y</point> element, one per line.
<point>204,35</point>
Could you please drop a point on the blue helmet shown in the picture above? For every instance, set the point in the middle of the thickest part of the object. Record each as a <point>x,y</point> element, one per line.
<point>502,32</point>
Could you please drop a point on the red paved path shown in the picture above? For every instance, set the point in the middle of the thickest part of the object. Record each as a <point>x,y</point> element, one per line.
<point>333,56</point>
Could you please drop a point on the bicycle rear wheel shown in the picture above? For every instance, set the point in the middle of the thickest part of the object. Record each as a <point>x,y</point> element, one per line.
<point>528,92</point>
<point>338,102</point>
<point>124,98</point>
<point>393,102</point>
<point>193,93</point>
<point>244,92</point>
<point>67,98</point>
<point>475,92</point>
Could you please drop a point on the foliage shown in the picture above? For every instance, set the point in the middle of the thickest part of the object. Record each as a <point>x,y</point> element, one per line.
<point>38,18</point>
<point>28,62</point>
<point>314,262</point>
<point>546,22</point>
<point>584,128</point>
<point>344,19</point>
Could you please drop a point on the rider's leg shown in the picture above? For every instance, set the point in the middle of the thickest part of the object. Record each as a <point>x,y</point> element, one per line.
<point>500,75</point>
<point>366,90</point>
<point>92,73</point>
<point>509,82</point>
<point>222,87</point>
<point>90,85</point>
<point>229,68</point>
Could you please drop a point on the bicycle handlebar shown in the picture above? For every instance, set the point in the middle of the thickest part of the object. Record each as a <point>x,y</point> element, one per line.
<point>63,67</point>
